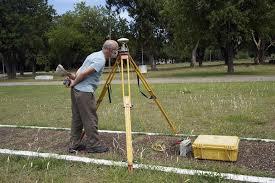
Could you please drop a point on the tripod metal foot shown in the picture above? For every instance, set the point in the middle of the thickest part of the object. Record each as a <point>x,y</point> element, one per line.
<point>130,168</point>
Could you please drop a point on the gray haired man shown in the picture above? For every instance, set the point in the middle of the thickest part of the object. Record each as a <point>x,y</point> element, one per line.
<point>83,85</point>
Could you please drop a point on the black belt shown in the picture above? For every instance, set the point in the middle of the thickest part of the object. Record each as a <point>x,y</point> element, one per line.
<point>82,91</point>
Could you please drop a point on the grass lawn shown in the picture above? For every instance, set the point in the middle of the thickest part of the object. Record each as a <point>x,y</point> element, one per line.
<point>243,109</point>
<point>19,169</point>
<point>243,67</point>
<point>208,71</point>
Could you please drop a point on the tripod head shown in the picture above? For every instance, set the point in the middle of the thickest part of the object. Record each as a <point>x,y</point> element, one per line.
<point>123,47</point>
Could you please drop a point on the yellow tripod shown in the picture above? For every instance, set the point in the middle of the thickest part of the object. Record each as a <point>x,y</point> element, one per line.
<point>124,59</point>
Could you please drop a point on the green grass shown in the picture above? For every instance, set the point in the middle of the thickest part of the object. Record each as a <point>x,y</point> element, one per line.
<point>209,69</point>
<point>220,70</point>
<point>29,78</point>
<point>19,169</point>
<point>242,109</point>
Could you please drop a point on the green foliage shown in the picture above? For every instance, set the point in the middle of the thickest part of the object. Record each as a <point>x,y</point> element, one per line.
<point>242,55</point>
<point>23,25</point>
<point>43,60</point>
<point>261,15</point>
<point>224,25</point>
<point>80,32</point>
<point>187,22</point>
<point>262,28</point>
<point>65,41</point>
<point>228,22</point>
<point>147,28</point>
<point>163,29</point>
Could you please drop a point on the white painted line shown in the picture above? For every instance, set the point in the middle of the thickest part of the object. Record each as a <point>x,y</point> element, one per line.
<point>34,127</point>
<point>122,132</point>
<point>229,176</point>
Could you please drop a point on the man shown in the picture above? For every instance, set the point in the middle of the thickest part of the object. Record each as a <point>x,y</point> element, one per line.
<point>83,85</point>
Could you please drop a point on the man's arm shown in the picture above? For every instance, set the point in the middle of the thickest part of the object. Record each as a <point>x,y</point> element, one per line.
<point>71,76</point>
<point>80,76</point>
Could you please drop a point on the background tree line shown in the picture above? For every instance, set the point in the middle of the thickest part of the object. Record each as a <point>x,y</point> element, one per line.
<point>33,35</point>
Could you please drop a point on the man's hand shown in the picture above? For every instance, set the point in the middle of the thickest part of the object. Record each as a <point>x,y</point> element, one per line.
<point>72,83</point>
<point>72,76</point>
<point>67,82</point>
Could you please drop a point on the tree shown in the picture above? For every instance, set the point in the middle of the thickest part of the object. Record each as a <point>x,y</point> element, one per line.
<point>23,24</point>
<point>228,24</point>
<point>9,35</point>
<point>222,23</point>
<point>79,32</point>
<point>261,15</point>
<point>66,42</point>
<point>188,24</point>
<point>146,24</point>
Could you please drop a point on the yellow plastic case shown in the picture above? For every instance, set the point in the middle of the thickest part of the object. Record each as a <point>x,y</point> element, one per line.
<point>215,147</point>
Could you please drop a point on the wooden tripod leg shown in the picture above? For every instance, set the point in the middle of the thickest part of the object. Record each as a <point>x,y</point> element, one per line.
<point>127,106</point>
<point>105,88</point>
<point>108,82</point>
<point>151,92</point>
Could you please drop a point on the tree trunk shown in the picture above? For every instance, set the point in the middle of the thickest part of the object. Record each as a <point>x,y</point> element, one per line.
<point>201,54</point>
<point>142,61</point>
<point>153,63</point>
<point>21,67</point>
<point>256,60</point>
<point>200,63</point>
<point>3,64</point>
<point>259,58</point>
<point>260,53</point>
<point>229,55</point>
<point>10,66</point>
<point>21,61</point>
<point>260,49</point>
<point>224,55</point>
<point>33,67</point>
<point>11,70</point>
<point>194,55</point>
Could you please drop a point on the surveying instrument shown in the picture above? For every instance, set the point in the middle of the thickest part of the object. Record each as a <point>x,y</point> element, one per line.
<point>124,60</point>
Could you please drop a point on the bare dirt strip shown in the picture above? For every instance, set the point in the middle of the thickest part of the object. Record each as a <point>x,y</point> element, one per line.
<point>256,156</point>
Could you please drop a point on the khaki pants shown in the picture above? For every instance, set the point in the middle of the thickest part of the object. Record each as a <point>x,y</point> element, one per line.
<point>84,115</point>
